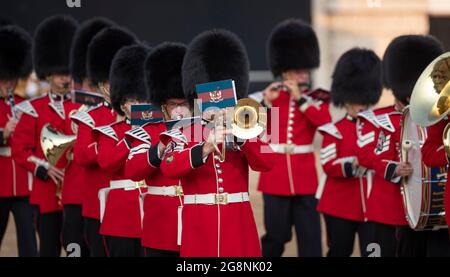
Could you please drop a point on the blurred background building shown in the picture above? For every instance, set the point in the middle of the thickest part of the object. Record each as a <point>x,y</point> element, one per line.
<point>340,25</point>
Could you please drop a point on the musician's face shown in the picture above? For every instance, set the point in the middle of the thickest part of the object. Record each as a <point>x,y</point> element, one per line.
<point>103,88</point>
<point>60,83</point>
<point>87,86</point>
<point>5,85</point>
<point>440,76</point>
<point>177,108</point>
<point>355,109</point>
<point>300,76</point>
<point>126,107</point>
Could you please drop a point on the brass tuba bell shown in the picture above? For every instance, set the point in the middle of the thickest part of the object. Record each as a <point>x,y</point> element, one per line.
<point>430,99</point>
<point>56,146</point>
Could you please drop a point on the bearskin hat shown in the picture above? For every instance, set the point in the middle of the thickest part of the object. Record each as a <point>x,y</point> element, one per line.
<point>404,61</point>
<point>15,53</point>
<point>83,37</point>
<point>292,44</point>
<point>357,78</point>
<point>127,77</point>
<point>52,41</point>
<point>215,55</point>
<point>101,51</point>
<point>163,72</point>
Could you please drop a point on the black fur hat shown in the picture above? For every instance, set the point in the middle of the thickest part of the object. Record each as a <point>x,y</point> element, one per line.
<point>15,53</point>
<point>292,44</point>
<point>78,51</point>
<point>51,48</point>
<point>404,61</point>
<point>357,78</point>
<point>102,49</point>
<point>127,77</point>
<point>215,55</point>
<point>163,72</point>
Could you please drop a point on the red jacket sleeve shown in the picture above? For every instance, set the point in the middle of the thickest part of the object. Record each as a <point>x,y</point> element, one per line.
<point>384,165</point>
<point>433,151</point>
<point>24,143</point>
<point>143,160</point>
<point>317,112</point>
<point>334,164</point>
<point>85,147</point>
<point>178,162</point>
<point>256,154</point>
<point>111,154</point>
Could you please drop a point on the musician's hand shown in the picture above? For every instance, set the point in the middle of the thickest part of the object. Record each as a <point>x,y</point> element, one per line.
<point>161,149</point>
<point>56,174</point>
<point>10,127</point>
<point>403,169</point>
<point>215,137</point>
<point>214,114</point>
<point>293,89</point>
<point>271,93</point>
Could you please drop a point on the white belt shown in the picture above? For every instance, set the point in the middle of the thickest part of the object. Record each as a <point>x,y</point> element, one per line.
<point>170,191</point>
<point>125,184</point>
<point>165,191</point>
<point>5,151</point>
<point>217,199</point>
<point>117,184</point>
<point>292,148</point>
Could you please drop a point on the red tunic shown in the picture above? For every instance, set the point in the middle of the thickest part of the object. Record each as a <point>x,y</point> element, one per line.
<point>433,154</point>
<point>122,216</point>
<point>85,154</point>
<point>216,229</point>
<point>379,142</point>
<point>345,191</point>
<point>14,181</point>
<point>72,191</point>
<point>295,125</point>
<point>27,149</point>
<point>160,222</point>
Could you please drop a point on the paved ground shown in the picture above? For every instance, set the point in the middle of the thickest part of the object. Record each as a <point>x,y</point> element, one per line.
<point>9,248</point>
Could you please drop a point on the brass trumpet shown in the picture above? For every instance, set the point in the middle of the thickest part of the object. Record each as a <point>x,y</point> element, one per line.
<point>248,119</point>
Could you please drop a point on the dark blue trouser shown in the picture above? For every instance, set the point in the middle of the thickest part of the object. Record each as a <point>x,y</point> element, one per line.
<point>73,229</point>
<point>341,236</point>
<point>283,212</point>
<point>50,234</point>
<point>423,243</point>
<point>123,247</point>
<point>158,253</point>
<point>94,240</point>
<point>23,217</point>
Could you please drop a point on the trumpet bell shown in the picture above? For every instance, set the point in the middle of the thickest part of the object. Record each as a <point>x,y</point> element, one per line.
<point>56,146</point>
<point>249,119</point>
<point>430,99</point>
